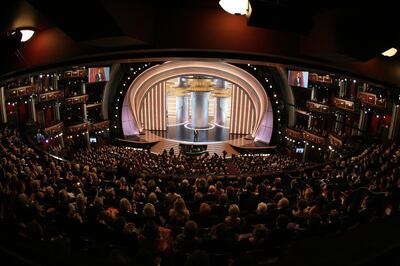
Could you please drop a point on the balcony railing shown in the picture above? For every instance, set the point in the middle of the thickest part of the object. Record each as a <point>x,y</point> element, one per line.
<point>21,91</point>
<point>79,73</point>
<point>313,137</point>
<point>335,140</point>
<point>54,129</point>
<point>302,112</point>
<point>99,125</point>
<point>50,96</point>
<point>77,99</point>
<point>92,105</point>
<point>343,104</point>
<point>317,107</point>
<point>77,128</point>
<point>295,134</point>
<point>371,99</point>
<point>320,78</point>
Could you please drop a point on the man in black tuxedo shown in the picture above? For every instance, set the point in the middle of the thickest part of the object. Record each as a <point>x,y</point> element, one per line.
<point>298,81</point>
<point>99,76</point>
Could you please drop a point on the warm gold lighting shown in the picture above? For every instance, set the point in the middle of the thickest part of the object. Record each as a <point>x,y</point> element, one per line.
<point>200,85</point>
<point>235,7</point>
<point>389,53</point>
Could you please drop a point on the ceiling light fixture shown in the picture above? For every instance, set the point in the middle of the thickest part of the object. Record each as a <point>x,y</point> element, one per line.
<point>235,7</point>
<point>389,53</point>
<point>25,33</point>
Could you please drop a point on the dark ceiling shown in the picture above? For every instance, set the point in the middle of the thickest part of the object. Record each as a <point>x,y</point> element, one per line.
<point>338,32</point>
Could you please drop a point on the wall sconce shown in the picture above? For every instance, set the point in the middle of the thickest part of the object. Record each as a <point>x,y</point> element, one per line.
<point>235,7</point>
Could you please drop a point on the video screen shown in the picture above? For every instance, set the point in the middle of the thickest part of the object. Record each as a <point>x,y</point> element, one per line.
<point>298,78</point>
<point>299,150</point>
<point>93,140</point>
<point>99,74</point>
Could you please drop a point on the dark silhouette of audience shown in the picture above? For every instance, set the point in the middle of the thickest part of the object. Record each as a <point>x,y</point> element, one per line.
<point>54,212</point>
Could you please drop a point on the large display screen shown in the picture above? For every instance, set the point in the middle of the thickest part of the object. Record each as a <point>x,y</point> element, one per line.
<point>99,74</point>
<point>298,78</point>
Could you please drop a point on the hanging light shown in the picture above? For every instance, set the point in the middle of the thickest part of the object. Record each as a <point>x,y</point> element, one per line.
<point>26,34</point>
<point>23,34</point>
<point>235,7</point>
<point>389,53</point>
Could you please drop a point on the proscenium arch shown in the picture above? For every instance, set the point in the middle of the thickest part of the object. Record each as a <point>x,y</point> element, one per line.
<point>149,78</point>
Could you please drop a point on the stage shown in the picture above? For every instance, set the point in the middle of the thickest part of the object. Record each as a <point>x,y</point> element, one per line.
<point>198,103</point>
<point>185,133</point>
<point>232,144</point>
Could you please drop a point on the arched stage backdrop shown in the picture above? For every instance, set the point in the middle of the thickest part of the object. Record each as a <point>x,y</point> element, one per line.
<point>144,105</point>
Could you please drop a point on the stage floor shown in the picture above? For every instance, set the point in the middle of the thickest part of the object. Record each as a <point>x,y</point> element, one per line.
<point>161,143</point>
<point>184,133</point>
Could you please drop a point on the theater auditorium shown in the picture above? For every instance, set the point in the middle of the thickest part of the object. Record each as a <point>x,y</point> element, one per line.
<point>199,132</point>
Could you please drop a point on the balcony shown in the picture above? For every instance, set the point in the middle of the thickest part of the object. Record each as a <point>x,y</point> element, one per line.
<point>51,96</point>
<point>77,99</point>
<point>313,137</point>
<point>99,125</point>
<point>54,129</point>
<point>294,134</point>
<point>314,77</point>
<point>79,73</point>
<point>21,91</point>
<point>302,112</point>
<point>343,104</point>
<point>92,105</point>
<point>372,99</point>
<point>317,107</point>
<point>77,128</point>
<point>335,140</point>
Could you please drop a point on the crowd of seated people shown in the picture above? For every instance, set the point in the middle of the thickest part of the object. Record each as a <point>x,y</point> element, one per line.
<point>110,156</point>
<point>266,164</point>
<point>57,212</point>
<point>143,161</point>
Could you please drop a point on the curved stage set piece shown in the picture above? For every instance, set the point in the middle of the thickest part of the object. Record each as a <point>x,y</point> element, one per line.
<point>217,105</point>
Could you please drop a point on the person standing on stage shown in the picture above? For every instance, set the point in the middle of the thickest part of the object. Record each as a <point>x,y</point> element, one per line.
<point>99,75</point>
<point>195,135</point>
